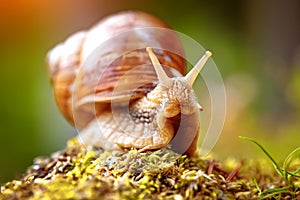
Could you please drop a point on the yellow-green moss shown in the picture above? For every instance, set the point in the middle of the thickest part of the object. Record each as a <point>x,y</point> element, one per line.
<point>78,173</point>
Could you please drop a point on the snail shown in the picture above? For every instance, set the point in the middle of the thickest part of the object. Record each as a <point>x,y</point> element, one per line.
<point>162,110</point>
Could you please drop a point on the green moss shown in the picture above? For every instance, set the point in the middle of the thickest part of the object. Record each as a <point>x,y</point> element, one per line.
<point>78,173</point>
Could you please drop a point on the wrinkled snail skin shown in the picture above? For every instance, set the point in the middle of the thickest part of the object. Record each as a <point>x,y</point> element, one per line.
<point>163,111</point>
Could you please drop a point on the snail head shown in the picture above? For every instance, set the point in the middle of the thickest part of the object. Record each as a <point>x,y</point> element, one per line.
<point>178,95</point>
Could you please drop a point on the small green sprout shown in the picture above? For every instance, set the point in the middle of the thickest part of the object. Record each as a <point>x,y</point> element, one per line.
<point>283,171</point>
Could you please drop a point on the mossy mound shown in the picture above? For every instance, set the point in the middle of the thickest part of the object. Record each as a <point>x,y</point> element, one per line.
<point>77,173</point>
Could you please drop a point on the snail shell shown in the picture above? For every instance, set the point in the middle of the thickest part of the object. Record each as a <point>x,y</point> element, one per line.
<point>161,110</point>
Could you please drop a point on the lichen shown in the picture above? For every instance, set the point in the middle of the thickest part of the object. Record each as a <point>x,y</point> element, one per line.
<point>78,173</point>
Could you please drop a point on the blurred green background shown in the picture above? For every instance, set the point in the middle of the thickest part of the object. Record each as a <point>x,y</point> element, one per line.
<point>256,46</point>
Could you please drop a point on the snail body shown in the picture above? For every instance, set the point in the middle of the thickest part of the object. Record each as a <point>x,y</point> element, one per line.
<point>112,112</point>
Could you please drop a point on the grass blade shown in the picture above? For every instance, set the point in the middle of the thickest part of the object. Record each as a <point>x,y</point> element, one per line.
<point>287,162</point>
<point>276,166</point>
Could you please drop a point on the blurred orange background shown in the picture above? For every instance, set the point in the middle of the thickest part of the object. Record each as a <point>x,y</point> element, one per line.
<point>256,46</point>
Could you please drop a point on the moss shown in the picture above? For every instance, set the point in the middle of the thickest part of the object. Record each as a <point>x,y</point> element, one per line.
<point>78,173</point>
